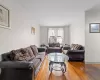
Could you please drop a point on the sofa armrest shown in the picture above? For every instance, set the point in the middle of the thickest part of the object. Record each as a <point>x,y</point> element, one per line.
<point>41,49</point>
<point>76,50</point>
<point>38,58</point>
<point>66,48</point>
<point>16,64</point>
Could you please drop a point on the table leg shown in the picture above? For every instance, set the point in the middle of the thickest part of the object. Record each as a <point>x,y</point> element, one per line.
<point>50,66</point>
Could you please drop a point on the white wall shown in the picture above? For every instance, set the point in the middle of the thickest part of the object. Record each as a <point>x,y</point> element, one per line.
<point>44,35</point>
<point>66,35</point>
<point>92,39</point>
<point>21,22</point>
<point>77,29</point>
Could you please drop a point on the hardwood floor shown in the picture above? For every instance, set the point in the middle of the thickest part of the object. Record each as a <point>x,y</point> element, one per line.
<point>75,71</point>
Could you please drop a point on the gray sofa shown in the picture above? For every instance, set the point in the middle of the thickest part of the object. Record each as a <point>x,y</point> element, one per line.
<point>21,64</point>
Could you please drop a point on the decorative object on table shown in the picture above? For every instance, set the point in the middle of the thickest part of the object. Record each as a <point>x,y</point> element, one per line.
<point>4,17</point>
<point>94,27</point>
<point>32,30</point>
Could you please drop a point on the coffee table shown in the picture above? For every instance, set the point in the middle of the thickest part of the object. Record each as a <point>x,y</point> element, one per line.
<point>57,62</point>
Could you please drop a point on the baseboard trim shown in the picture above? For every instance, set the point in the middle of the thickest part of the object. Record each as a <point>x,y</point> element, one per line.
<point>92,62</point>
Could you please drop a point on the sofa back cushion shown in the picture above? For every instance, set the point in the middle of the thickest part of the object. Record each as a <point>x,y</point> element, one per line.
<point>34,49</point>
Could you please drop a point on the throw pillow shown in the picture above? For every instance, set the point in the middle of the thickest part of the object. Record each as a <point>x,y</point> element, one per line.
<point>29,50</point>
<point>18,55</point>
<point>34,49</point>
<point>28,53</point>
<point>72,46</point>
<point>75,47</point>
<point>78,47</point>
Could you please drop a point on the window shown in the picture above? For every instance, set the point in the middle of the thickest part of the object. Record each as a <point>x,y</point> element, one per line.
<point>55,35</point>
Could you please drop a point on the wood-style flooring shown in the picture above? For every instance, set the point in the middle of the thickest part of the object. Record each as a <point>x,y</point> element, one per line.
<point>75,71</point>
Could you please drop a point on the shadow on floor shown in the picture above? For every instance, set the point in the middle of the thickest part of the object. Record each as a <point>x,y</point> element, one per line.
<point>56,77</point>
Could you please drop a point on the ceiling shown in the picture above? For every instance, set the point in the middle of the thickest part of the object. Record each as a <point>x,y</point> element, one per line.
<point>57,12</point>
<point>68,5</point>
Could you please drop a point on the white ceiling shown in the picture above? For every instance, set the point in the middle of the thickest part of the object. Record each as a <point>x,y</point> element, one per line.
<point>69,5</point>
<point>57,12</point>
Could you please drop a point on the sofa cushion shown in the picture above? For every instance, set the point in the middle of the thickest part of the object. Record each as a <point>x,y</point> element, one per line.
<point>40,56</point>
<point>42,53</point>
<point>35,62</point>
<point>34,49</point>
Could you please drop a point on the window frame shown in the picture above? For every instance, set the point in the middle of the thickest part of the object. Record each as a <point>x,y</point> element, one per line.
<point>56,35</point>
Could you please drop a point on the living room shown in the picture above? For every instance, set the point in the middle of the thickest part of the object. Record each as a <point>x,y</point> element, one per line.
<point>29,22</point>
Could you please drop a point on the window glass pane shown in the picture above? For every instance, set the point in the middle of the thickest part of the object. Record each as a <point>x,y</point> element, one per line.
<point>51,32</point>
<point>55,35</point>
<point>60,32</point>
<point>59,40</point>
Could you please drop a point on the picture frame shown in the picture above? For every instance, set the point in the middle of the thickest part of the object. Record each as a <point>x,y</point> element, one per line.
<point>4,17</point>
<point>32,30</point>
<point>94,27</point>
